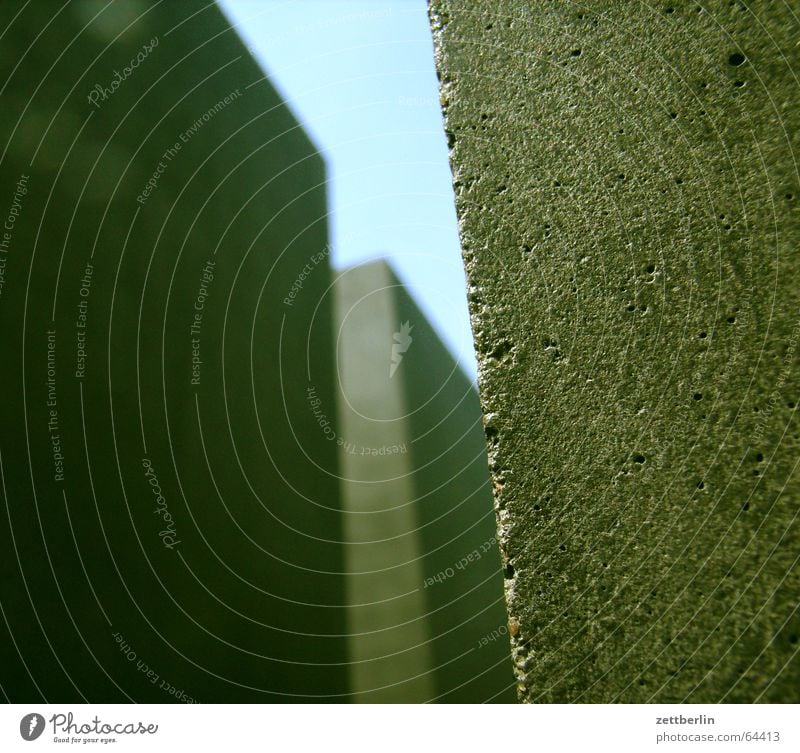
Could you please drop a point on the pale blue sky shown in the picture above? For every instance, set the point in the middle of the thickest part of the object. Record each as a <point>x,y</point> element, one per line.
<point>360,76</point>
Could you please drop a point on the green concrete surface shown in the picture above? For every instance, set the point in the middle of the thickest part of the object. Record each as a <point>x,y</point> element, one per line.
<point>170,512</point>
<point>627,189</point>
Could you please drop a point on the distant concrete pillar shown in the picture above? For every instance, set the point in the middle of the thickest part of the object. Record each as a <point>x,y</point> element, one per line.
<point>627,187</point>
<point>389,637</point>
<point>425,614</point>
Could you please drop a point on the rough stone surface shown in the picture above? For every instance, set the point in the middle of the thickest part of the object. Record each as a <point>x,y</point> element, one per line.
<point>627,189</point>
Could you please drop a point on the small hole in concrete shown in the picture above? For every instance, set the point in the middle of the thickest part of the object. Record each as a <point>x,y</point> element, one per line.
<point>502,349</point>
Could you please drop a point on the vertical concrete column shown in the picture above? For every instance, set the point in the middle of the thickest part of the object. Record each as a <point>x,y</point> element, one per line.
<point>627,187</point>
<point>389,639</point>
<point>170,502</point>
<point>424,590</point>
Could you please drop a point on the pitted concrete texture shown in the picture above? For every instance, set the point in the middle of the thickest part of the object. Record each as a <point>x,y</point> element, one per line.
<point>627,189</point>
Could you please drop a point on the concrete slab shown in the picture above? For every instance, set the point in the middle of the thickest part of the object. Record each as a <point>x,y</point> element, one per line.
<point>627,188</point>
